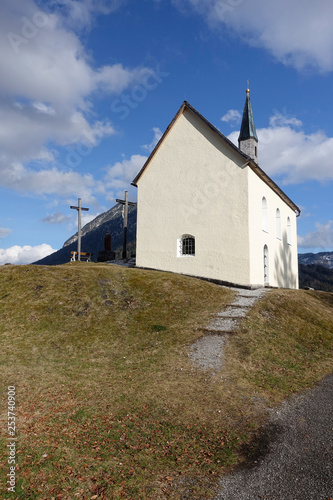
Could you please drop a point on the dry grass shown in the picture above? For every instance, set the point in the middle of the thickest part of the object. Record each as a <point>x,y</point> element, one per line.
<point>284,345</point>
<point>105,389</point>
<point>109,405</point>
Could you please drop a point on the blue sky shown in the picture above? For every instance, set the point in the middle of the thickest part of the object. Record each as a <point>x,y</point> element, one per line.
<point>87,87</point>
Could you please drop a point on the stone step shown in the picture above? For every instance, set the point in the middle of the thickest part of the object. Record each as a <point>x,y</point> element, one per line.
<point>223,324</point>
<point>245,301</point>
<point>233,312</point>
<point>207,352</point>
<point>208,331</point>
<point>239,306</point>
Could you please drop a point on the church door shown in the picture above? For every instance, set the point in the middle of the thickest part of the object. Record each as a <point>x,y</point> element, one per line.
<point>266,266</point>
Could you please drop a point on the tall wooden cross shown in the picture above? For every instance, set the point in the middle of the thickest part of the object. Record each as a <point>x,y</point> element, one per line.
<point>125,202</point>
<point>79,209</point>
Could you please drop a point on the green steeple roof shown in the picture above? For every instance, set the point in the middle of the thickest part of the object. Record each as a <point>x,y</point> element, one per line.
<point>248,128</point>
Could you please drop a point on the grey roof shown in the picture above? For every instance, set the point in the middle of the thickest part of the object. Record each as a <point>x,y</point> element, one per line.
<point>248,128</point>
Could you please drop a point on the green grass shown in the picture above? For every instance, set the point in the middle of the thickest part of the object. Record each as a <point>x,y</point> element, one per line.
<point>108,402</point>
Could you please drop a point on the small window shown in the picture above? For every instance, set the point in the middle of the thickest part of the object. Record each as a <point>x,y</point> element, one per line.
<point>278,224</point>
<point>288,231</point>
<point>264,214</point>
<point>187,245</point>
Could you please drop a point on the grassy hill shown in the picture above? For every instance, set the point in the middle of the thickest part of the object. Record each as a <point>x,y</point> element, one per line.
<point>108,402</point>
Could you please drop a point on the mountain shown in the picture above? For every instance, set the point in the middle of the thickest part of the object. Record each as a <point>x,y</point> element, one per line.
<point>316,276</point>
<point>93,233</point>
<point>316,271</point>
<point>322,259</point>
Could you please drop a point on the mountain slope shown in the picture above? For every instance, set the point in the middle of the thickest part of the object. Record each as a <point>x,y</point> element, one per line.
<point>316,276</point>
<point>322,258</point>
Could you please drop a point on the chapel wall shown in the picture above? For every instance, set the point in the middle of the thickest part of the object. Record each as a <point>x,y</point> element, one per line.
<point>282,251</point>
<point>194,185</point>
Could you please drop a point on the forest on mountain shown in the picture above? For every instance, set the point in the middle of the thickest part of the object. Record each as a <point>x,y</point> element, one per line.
<point>316,276</point>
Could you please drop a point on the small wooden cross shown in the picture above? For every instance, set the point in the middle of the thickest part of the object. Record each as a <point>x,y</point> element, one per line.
<point>125,202</point>
<point>79,209</point>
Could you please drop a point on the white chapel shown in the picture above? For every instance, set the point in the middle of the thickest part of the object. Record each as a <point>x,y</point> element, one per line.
<point>206,208</point>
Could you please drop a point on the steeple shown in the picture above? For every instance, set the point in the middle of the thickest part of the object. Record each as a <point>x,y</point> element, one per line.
<point>248,140</point>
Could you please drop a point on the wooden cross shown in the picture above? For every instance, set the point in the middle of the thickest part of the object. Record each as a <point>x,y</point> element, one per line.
<point>125,202</point>
<point>79,209</point>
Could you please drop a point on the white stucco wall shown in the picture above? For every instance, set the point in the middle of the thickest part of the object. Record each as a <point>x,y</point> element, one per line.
<point>282,256</point>
<point>194,185</point>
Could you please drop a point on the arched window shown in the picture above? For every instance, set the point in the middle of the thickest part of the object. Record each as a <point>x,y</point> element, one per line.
<point>288,231</point>
<point>264,214</point>
<point>278,223</point>
<point>187,245</point>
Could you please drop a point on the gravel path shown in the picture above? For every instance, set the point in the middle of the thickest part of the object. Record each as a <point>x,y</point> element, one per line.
<point>292,458</point>
<point>298,463</point>
<point>207,352</point>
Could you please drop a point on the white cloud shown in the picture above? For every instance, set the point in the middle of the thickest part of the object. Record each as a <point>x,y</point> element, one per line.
<point>80,13</point>
<point>4,232</point>
<point>297,33</point>
<point>232,116</point>
<point>46,85</point>
<point>290,154</point>
<point>127,169</point>
<point>43,108</point>
<point>116,78</point>
<point>157,136</point>
<point>280,120</point>
<point>321,238</point>
<point>52,181</point>
<point>52,66</point>
<point>25,129</point>
<point>25,254</point>
<point>120,175</point>
<point>56,218</point>
<point>87,217</point>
